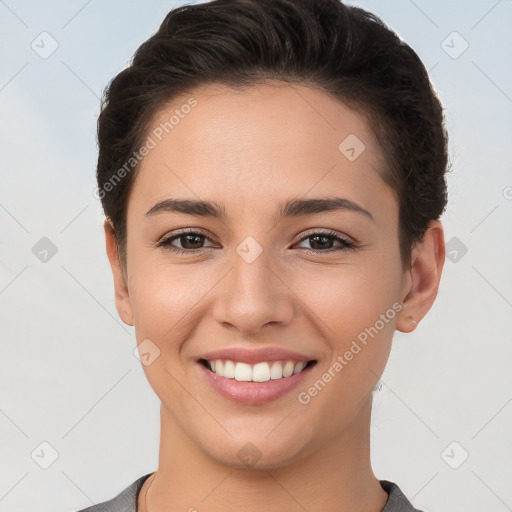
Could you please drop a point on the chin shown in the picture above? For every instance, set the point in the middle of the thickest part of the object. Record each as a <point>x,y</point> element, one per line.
<point>253,452</point>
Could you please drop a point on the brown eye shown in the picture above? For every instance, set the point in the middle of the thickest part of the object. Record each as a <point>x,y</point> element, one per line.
<point>323,242</point>
<point>190,241</point>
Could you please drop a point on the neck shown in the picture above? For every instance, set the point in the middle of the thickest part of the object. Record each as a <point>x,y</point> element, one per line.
<point>334,476</point>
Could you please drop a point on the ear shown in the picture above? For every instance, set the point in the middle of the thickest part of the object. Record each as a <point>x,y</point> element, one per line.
<point>122,295</point>
<point>422,283</point>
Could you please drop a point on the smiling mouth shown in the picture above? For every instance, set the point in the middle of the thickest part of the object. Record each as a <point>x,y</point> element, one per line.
<point>260,372</point>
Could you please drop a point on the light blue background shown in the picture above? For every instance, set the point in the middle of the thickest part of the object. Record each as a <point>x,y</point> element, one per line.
<point>68,375</point>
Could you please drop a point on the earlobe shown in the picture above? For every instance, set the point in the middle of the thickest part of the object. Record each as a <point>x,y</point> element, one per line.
<point>122,296</point>
<point>424,276</point>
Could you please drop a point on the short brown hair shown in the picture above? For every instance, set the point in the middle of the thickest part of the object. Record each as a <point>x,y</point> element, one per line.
<point>345,51</point>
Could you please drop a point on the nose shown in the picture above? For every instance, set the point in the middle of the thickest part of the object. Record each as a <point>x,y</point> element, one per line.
<point>253,294</point>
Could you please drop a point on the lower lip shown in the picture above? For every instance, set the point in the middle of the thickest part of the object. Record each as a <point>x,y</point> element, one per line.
<point>254,393</point>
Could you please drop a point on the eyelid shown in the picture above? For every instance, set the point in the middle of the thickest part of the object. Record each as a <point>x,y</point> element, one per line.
<point>347,243</point>
<point>184,231</point>
<point>327,232</point>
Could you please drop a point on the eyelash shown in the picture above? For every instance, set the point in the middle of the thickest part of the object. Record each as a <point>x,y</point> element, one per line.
<point>347,245</point>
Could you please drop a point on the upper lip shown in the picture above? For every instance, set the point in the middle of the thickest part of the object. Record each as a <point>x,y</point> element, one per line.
<point>253,356</point>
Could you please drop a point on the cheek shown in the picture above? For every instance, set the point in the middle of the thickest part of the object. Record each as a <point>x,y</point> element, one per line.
<point>165,296</point>
<point>348,299</point>
<point>165,300</point>
<point>355,308</point>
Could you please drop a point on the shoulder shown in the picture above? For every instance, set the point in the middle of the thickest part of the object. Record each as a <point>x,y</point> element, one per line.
<point>125,501</point>
<point>397,501</point>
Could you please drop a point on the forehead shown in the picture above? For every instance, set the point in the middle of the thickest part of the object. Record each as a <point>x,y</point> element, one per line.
<point>258,143</point>
<point>287,118</point>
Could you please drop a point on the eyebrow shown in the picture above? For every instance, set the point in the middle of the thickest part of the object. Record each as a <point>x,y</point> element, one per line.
<point>292,208</point>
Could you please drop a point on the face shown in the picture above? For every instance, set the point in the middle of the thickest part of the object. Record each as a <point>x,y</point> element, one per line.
<point>326,284</point>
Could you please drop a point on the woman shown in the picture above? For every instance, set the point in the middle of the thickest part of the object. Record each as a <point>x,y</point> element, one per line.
<point>272,174</point>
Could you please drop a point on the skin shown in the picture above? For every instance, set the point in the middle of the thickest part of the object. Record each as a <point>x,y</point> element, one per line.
<point>249,151</point>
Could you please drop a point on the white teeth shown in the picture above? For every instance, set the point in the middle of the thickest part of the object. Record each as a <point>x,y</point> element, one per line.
<point>229,370</point>
<point>299,367</point>
<point>288,369</point>
<point>260,372</point>
<point>276,370</point>
<point>243,372</point>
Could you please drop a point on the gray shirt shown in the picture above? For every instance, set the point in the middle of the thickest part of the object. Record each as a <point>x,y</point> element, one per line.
<point>126,501</point>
